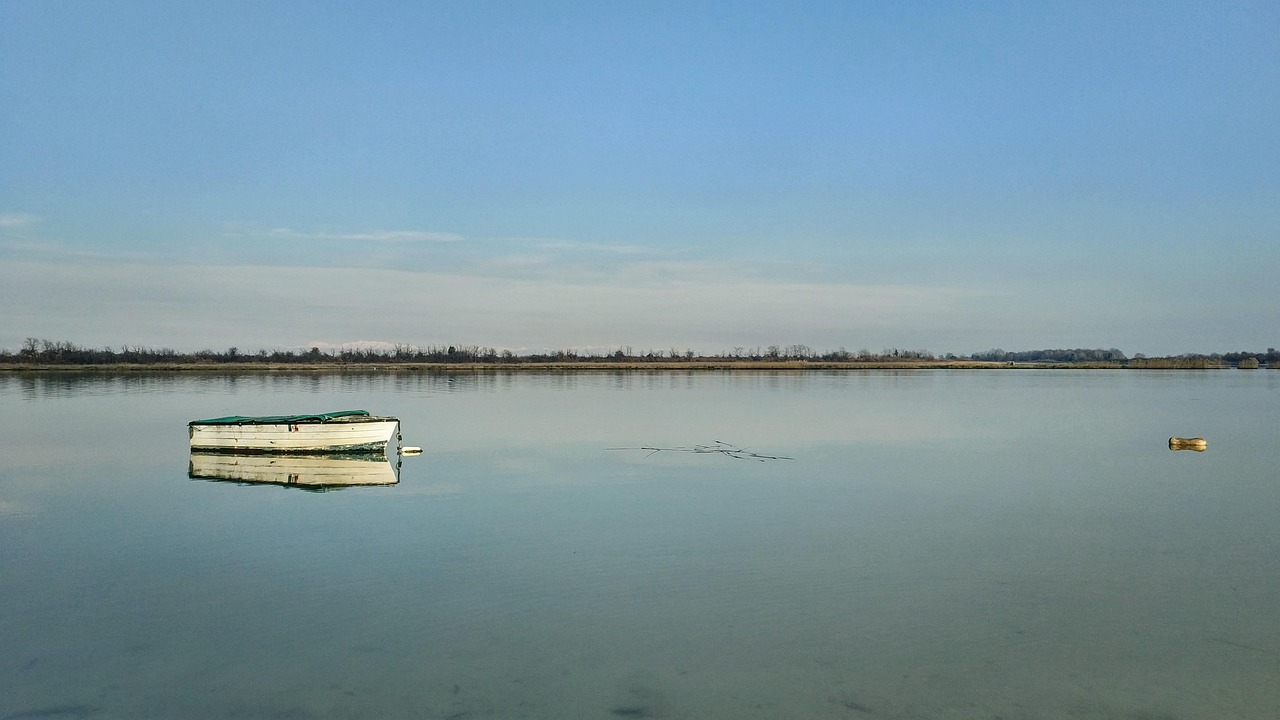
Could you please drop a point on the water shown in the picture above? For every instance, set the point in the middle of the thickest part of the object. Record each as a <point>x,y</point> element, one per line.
<point>1001,544</point>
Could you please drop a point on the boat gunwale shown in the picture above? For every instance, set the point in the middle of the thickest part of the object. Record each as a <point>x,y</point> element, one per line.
<point>340,416</point>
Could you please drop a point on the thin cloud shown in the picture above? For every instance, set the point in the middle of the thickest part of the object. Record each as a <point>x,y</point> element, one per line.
<point>151,305</point>
<point>575,246</point>
<point>17,220</point>
<point>48,249</point>
<point>386,236</point>
<point>713,310</point>
<point>520,261</point>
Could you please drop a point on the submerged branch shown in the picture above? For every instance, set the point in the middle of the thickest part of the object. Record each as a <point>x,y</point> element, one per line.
<point>720,447</point>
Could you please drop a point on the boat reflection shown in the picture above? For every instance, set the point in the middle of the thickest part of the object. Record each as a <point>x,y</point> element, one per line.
<point>308,472</point>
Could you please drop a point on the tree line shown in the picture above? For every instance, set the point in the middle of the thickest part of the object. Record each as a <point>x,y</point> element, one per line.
<point>61,352</point>
<point>1063,356</point>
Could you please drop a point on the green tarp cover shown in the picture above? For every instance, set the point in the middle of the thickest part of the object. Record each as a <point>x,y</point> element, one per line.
<point>277,419</point>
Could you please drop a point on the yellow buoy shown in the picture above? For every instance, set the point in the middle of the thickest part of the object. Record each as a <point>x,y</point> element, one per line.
<point>1196,444</point>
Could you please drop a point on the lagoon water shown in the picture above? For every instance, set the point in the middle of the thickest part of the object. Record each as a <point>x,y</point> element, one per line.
<point>942,544</point>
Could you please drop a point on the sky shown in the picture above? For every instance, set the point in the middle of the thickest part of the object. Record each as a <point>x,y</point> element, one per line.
<point>941,176</point>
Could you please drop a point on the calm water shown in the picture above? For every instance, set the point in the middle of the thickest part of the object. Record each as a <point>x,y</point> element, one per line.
<point>1001,544</point>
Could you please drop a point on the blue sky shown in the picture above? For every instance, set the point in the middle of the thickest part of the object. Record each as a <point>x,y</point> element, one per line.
<point>941,176</point>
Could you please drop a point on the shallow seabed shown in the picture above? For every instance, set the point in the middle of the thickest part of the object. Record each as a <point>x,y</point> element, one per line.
<point>943,544</point>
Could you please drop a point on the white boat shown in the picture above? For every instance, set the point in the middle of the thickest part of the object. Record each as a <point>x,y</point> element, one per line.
<point>310,472</point>
<point>345,431</point>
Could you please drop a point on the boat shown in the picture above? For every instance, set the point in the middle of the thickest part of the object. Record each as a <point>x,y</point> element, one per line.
<point>309,472</point>
<point>344,431</point>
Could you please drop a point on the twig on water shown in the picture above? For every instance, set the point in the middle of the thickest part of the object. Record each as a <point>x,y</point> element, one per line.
<point>720,447</point>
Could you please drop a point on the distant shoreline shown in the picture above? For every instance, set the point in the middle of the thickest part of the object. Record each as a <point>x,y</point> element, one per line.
<point>261,368</point>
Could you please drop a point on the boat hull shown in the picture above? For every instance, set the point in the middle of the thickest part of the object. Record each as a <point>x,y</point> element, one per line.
<point>341,435</point>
